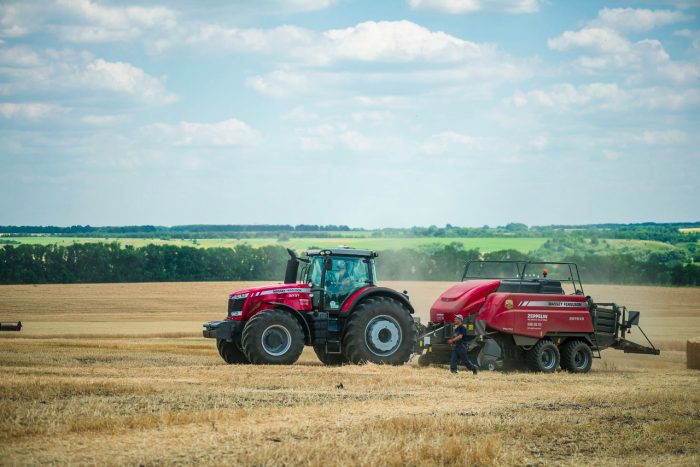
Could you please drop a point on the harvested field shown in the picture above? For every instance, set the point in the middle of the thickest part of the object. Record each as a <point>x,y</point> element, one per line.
<point>117,373</point>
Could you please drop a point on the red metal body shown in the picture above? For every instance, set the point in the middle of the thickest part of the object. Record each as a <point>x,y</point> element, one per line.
<point>526,314</point>
<point>297,296</point>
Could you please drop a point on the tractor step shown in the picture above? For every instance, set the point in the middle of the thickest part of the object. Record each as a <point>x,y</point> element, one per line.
<point>334,347</point>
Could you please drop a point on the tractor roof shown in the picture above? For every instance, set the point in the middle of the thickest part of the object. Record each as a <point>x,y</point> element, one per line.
<point>342,252</point>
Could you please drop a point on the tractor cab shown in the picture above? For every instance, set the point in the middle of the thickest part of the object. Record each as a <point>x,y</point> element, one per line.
<point>334,275</point>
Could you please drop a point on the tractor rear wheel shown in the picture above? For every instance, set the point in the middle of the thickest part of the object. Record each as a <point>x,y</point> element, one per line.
<point>330,359</point>
<point>380,330</point>
<point>273,337</point>
<point>576,357</point>
<point>230,352</point>
<point>543,356</point>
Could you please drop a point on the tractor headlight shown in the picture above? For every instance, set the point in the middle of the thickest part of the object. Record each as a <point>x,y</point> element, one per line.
<point>236,314</point>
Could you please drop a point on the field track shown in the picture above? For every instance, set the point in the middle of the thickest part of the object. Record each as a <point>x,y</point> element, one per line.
<point>117,373</point>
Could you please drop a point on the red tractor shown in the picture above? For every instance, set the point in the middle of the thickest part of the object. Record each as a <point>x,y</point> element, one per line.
<point>531,315</point>
<point>336,307</point>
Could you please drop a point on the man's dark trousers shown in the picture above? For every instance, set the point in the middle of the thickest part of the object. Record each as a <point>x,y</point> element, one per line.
<point>459,352</point>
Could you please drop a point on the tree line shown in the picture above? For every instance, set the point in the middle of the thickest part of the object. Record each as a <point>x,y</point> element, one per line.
<point>110,262</point>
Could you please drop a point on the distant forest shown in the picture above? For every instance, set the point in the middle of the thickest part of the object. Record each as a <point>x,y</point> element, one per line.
<point>110,262</point>
<point>663,232</point>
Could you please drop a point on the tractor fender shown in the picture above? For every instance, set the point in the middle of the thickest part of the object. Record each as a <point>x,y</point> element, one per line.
<point>299,317</point>
<point>378,292</point>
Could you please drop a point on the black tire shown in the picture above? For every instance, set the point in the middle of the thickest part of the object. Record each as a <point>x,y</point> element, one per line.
<point>273,337</point>
<point>380,330</point>
<point>425,359</point>
<point>330,359</point>
<point>230,352</point>
<point>576,357</point>
<point>543,357</point>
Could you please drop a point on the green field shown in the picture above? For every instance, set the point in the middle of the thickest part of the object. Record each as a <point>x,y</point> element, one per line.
<point>379,244</point>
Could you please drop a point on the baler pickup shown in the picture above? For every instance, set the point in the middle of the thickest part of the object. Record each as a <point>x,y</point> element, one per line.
<point>632,347</point>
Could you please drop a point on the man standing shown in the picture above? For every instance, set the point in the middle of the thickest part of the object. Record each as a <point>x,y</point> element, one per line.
<point>459,347</point>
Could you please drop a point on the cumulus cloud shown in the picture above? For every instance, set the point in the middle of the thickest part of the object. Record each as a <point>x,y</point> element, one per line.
<point>394,41</point>
<point>458,7</point>
<point>219,38</point>
<point>637,19</point>
<point>604,50</point>
<point>68,71</point>
<point>231,132</point>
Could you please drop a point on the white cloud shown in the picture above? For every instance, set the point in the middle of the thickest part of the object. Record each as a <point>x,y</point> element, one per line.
<point>85,21</point>
<point>370,41</point>
<point>596,39</point>
<point>121,77</point>
<point>280,83</point>
<point>606,96</point>
<point>693,35</point>
<point>216,38</point>
<point>66,71</point>
<point>330,136</point>
<point>457,7</point>
<point>30,111</point>
<point>394,41</point>
<point>637,19</point>
<point>231,132</point>
<point>605,51</point>
<point>665,137</point>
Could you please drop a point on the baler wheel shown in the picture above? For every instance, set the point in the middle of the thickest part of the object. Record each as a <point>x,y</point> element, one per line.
<point>380,330</point>
<point>329,359</point>
<point>273,337</point>
<point>230,352</point>
<point>425,360</point>
<point>543,357</point>
<point>576,357</point>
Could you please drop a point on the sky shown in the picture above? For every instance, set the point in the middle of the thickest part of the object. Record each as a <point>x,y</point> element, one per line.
<point>363,113</point>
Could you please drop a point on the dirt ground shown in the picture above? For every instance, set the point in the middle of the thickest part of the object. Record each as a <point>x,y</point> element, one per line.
<point>118,374</point>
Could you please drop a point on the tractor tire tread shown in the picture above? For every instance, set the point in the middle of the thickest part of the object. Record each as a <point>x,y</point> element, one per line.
<point>252,335</point>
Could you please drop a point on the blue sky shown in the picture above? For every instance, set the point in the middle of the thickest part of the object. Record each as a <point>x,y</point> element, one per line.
<point>364,113</point>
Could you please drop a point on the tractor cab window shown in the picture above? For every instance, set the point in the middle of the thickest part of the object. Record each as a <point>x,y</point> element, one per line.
<point>345,276</point>
<point>313,274</point>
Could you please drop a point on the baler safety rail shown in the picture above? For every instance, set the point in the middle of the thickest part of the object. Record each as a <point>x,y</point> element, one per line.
<point>11,326</point>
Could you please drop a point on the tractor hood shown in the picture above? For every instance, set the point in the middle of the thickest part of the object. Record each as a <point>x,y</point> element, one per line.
<point>271,290</point>
<point>463,299</point>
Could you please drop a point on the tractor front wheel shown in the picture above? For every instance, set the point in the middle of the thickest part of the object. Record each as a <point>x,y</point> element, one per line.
<point>576,357</point>
<point>380,330</point>
<point>230,352</point>
<point>273,337</point>
<point>543,357</point>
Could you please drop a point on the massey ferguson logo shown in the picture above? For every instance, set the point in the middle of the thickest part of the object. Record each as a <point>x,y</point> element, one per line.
<point>540,316</point>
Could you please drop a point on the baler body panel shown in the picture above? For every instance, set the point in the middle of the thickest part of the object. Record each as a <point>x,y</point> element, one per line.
<point>536,315</point>
<point>463,298</point>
